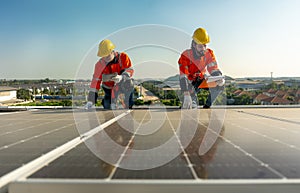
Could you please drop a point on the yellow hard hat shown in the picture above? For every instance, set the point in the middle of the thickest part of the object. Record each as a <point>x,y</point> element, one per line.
<point>105,48</point>
<point>200,36</point>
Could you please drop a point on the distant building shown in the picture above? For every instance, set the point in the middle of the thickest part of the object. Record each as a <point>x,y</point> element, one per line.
<point>249,85</point>
<point>261,98</point>
<point>276,97</point>
<point>271,92</point>
<point>7,93</point>
<point>281,101</point>
<point>292,82</point>
<point>242,92</point>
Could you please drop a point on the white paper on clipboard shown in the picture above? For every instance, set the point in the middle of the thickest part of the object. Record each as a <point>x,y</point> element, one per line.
<point>214,78</point>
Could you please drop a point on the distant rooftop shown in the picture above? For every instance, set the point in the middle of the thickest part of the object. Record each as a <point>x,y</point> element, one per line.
<point>7,88</point>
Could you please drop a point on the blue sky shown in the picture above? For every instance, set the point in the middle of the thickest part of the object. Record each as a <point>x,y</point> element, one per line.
<point>50,38</point>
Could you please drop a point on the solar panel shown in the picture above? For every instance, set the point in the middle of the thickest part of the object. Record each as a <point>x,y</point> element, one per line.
<point>247,150</point>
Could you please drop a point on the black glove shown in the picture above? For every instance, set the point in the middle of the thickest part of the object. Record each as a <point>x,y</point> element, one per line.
<point>196,83</point>
<point>216,73</point>
<point>93,96</point>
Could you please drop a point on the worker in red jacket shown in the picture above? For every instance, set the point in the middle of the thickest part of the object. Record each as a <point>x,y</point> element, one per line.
<point>114,72</point>
<point>195,65</point>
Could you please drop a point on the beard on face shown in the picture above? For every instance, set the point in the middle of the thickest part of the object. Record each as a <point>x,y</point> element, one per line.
<point>196,53</point>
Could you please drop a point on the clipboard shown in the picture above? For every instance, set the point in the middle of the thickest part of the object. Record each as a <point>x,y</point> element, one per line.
<point>214,78</point>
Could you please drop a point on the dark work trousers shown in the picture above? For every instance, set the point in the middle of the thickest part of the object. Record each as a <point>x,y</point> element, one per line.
<point>213,94</point>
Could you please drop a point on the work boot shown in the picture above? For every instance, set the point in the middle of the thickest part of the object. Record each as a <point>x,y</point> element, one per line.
<point>206,106</point>
<point>194,105</point>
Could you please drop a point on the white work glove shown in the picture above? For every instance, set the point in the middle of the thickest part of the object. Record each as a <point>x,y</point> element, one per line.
<point>117,78</point>
<point>187,101</point>
<point>206,76</point>
<point>88,105</point>
<point>221,82</point>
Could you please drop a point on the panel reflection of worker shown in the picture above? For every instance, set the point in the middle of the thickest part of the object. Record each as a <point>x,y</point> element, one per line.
<point>114,71</point>
<point>194,64</point>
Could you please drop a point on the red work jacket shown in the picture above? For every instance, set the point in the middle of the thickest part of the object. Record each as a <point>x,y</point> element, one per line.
<point>192,68</point>
<point>121,64</point>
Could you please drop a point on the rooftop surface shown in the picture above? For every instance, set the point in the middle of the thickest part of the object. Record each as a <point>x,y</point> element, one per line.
<point>150,150</point>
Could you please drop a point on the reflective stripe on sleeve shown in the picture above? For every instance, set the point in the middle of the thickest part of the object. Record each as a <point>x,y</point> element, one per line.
<point>215,70</point>
<point>97,79</point>
<point>128,72</point>
<point>211,64</point>
<point>182,76</point>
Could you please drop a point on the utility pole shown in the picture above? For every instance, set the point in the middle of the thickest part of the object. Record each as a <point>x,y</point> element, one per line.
<point>33,91</point>
<point>271,76</point>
